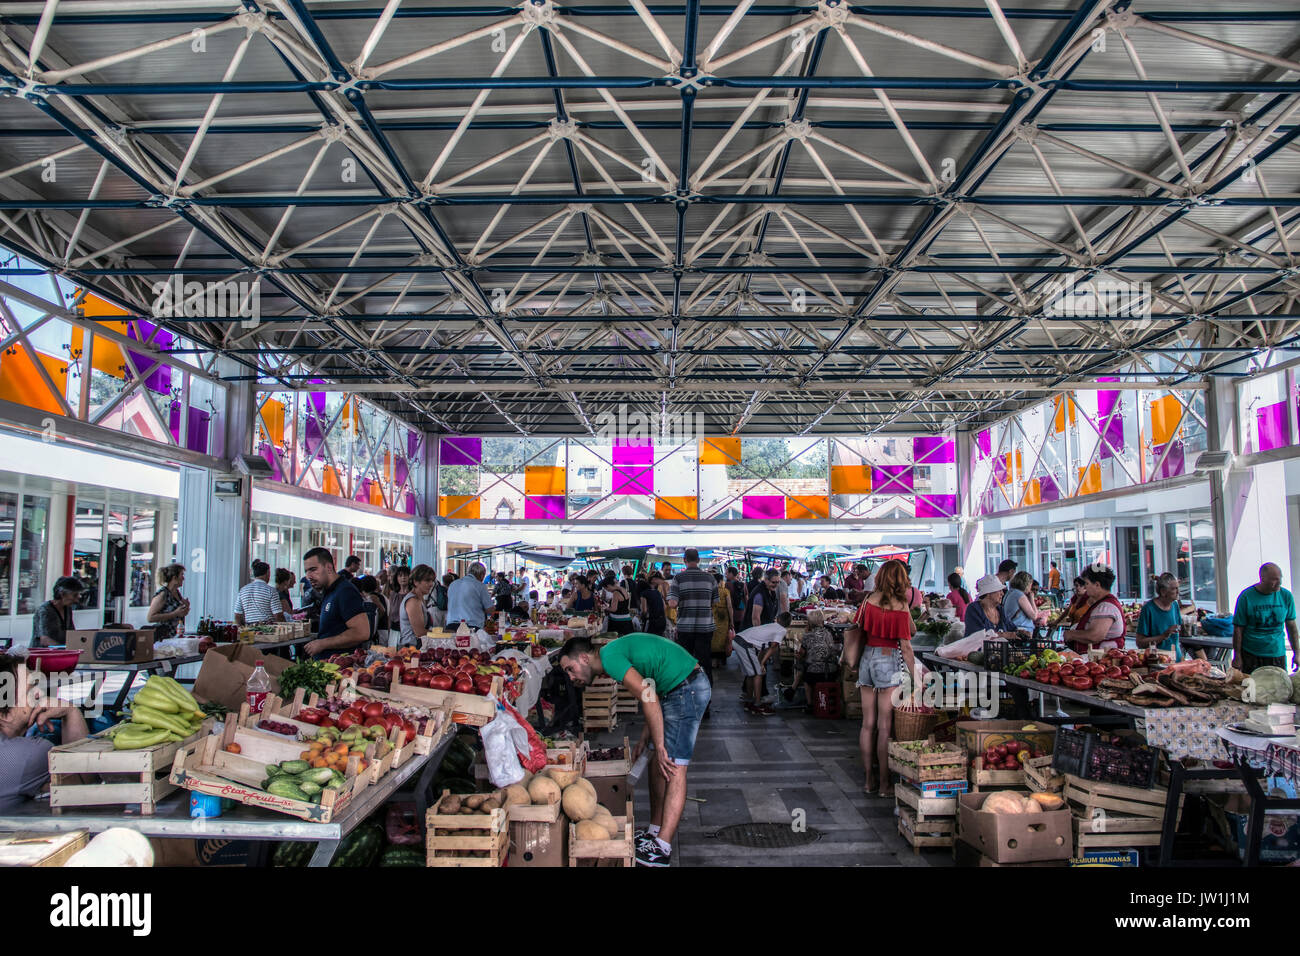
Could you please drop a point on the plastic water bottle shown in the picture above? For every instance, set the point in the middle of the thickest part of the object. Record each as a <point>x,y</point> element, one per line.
<point>258,686</point>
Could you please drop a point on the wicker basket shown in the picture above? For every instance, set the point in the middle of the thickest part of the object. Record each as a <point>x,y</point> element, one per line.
<point>916,724</point>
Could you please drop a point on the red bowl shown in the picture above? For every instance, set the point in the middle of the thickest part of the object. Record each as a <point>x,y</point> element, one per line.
<point>53,660</point>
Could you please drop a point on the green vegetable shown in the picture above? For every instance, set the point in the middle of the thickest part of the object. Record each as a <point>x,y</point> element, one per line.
<point>213,709</point>
<point>309,788</point>
<point>292,853</point>
<point>294,767</point>
<point>317,775</point>
<point>361,847</point>
<point>401,856</point>
<point>310,675</point>
<point>1267,685</point>
<point>282,786</point>
<point>273,770</point>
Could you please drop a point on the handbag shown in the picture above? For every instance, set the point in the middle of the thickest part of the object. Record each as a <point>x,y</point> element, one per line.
<point>854,639</point>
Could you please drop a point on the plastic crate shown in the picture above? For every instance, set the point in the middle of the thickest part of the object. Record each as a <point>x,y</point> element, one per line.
<point>1083,754</point>
<point>1002,656</point>
<point>1067,755</point>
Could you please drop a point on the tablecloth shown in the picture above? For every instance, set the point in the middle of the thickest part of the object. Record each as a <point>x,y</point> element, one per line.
<point>1192,731</point>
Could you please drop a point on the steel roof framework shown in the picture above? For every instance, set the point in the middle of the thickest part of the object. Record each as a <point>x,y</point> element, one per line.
<point>795,219</point>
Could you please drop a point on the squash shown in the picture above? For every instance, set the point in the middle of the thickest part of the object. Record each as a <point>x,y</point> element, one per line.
<point>1004,801</point>
<point>578,804</point>
<point>543,790</point>
<point>1048,801</point>
<point>606,819</point>
<point>591,830</point>
<point>565,778</point>
<point>516,795</point>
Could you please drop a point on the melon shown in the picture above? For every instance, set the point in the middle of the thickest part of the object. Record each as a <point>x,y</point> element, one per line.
<point>1048,801</point>
<point>543,790</point>
<point>565,778</point>
<point>578,804</point>
<point>1004,801</point>
<point>591,830</point>
<point>1033,806</point>
<point>516,795</point>
<point>606,819</point>
<point>585,784</point>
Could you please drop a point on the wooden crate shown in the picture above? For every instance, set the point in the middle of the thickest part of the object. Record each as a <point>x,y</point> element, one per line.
<point>923,841</point>
<point>948,764</point>
<point>1041,778</point>
<point>626,702</point>
<point>981,779</point>
<point>617,852</point>
<point>1119,831</point>
<point>931,826</point>
<point>924,807</point>
<point>570,755</point>
<point>1089,795</point>
<point>40,849</point>
<point>444,847</point>
<point>126,777</point>
<point>468,709</point>
<point>610,768</point>
<point>207,767</point>
<point>535,813</point>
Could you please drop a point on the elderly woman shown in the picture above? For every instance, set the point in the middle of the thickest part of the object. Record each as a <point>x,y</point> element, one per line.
<point>1161,617</point>
<point>1101,625</point>
<point>985,612</point>
<point>818,659</point>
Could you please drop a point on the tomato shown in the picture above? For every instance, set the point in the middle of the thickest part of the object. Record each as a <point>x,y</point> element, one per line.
<point>1041,675</point>
<point>990,758</point>
<point>464,686</point>
<point>483,684</point>
<point>1066,671</point>
<point>441,682</point>
<point>379,721</point>
<point>1055,678</point>
<point>1124,670</point>
<point>1054,668</point>
<point>309,715</point>
<point>373,708</point>
<point>351,716</point>
<point>410,730</point>
<point>327,722</point>
<point>1113,672</point>
<point>422,679</point>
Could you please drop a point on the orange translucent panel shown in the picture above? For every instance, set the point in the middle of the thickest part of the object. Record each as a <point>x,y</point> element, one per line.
<point>808,506</point>
<point>21,381</point>
<point>850,479</point>
<point>1014,467</point>
<point>377,494</point>
<point>92,306</point>
<point>1033,493</point>
<point>388,466</point>
<point>107,356</point>
<point>459,506</point>
<point>273,421</point>
<point>1062,403</point>
<point>720,451</point>
<point>1166,412</point>
<point>331,484</point>
<point>543,480</point>
<point>677,507</point>
<point>1089,480</point>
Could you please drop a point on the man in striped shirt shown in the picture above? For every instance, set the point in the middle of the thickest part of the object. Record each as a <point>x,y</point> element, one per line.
<point>258,602</point>
<point>693,592</point>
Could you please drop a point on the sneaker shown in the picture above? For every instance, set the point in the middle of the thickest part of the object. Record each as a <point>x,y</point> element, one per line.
<point>652,854</point>
<point>642,838</point>
<point>765,710</point>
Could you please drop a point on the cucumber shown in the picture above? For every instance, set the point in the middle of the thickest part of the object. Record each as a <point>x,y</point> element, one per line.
<point>309,788</point>
<point>266,782</point>
<point>294,766</point>
<point>316,775</point>
<point>273,770</point>
<point>281,786</point>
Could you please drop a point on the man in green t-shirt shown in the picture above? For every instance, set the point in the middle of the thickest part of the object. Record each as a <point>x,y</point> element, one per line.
<point>674,694</point>
<point>1265,612</point>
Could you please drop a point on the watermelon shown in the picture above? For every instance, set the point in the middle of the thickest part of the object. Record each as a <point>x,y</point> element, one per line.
<point>402,856</point>
<point>292,853</point>
<point>361,847</point>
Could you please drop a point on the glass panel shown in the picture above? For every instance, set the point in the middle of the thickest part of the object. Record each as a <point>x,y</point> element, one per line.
<point>1095,546</point>
<point>1128,584</point>
<point>31,553</point>
<point>1178,556</point>
<point>1203,561</point>
<point>87,552</point>
<point>1148,560</point>
<point>144,556</point>
<point>1018,552</point>
<point>8,517</point>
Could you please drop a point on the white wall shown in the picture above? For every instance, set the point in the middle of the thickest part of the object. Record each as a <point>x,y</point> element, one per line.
<point>1255,513</point>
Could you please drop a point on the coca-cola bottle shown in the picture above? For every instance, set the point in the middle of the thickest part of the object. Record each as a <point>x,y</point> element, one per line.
<point>258,686</point>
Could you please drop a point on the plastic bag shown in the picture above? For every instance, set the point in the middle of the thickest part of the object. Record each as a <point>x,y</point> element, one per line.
<point>503,738</point>
<point>959,649</point>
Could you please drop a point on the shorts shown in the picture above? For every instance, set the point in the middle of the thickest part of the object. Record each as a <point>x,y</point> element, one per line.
<point>747,654</point>
<point>683,708</point>
<point>1250,662</point>
<point>880,667</point>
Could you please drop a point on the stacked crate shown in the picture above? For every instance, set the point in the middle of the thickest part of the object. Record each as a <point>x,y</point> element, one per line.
<point>599,705</point>
<point>927,795</point>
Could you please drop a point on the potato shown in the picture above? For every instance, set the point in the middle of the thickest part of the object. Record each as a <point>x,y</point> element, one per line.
<point>450,803</point>
<point>493,802</point>
<point>475,800</point>
<point>466,810</point>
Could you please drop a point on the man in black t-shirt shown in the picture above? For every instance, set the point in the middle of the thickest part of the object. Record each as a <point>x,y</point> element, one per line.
<point>343,620</point>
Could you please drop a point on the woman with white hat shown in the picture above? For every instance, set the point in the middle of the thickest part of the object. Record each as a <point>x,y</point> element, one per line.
<point>985,612</point>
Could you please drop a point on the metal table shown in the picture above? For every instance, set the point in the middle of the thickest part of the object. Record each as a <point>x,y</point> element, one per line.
<point>172,817</point>
<point>1217,649</point>
<point>161,665</point>
<point>1125,710</point>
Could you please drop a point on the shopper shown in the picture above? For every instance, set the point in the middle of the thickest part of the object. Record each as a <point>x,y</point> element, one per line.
<point>817,659</point>
<point>399,583</point>
<point>736,589</point>
<point>618,602</point>
<point>284,587</point>
<point>887,626</point>
<point>351,567</point>
<point>24,760</point>
<point>1054,583</point>
<point>344,624</point>
<point>1161,618</point>
<point>168,608</point>
<point>411,619</point>
<point>376,607</point>
<point>985,612</point>
<point>754,647</point>
<point>829,592</point>
<point>692,594</point>
<point>1078,602</point>
<point>1006,570</point>
<point>1102,624</point>
<point>1263,621</point>
<point>468,599</point>
<point>1018,609</point>
<point>765,602</point>
<point>724,623</point>
<point>857,579</point>
<point>674,695</point>
<point>503,592</point>
<point>258,602</point>
<point>653,608</point>
<point>958,596</point>
<point>436,602</point>
<point>53,619</point>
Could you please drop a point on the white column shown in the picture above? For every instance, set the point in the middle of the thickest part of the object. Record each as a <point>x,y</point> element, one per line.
<point>424,529</point>
<point>970,529</point>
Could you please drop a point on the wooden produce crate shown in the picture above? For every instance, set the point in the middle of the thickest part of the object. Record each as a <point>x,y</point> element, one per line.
<point>1110,815</point>
<point>924,808</point>
<point>981,779</point>
<point>626,702</point>
<point>487,846</point>
<point>947,764</point>
<point>468,709</point>
<point>1041,778</point>
<point>617,852</point>
<point>125,777</point>
<point>599,705</point>
<point>207,767</point>
<point>40,849</point>
<point>919,841</point>
<point>535,813</point>
<point>609,768</point>
<point>570,755</point>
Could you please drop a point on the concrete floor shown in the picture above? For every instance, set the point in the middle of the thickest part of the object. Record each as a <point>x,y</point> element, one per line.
<point>765,769</point>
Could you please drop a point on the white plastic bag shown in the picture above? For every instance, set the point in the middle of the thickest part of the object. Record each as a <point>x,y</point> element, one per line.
<point>503,739</point>
<point>959,649</point>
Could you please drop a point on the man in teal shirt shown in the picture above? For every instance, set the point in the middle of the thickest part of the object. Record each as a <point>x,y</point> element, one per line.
<point>1264,613</point>
<point>674,694</point>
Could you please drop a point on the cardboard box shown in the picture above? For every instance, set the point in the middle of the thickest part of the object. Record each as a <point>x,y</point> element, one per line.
<point>110,645</point>
<point>225,671</point>
<point>612,792</point>
<point>539,844</point>
<point>978,736</point>
<point>1015,837</point>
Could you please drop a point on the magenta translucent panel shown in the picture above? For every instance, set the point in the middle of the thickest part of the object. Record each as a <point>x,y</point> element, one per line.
<point>269,454</point>
<point>458,450</point>
<point>762,506</point>
<point>1174,464</point>
<point>1000,469</point>
<point>632,455</point>
<point>984,443</point>
<point>196,436</point>
<point>544,507</point>
<point>400,471</point>
<point>157,377</point>
<point>933,450</point>
<point>936,506</point>
<point>1271,424</point>
<point>312,435</point>
<point>317,402</point>
<point>363,491</point>
<point>1107,400</point>
<point>1047,489</point>
<point>891,479</point>
<point>634,481</point>
<point>408,503</point>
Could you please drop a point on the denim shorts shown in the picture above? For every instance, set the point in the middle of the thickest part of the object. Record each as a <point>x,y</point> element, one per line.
<point>684,708</point>
<point>880,667</point>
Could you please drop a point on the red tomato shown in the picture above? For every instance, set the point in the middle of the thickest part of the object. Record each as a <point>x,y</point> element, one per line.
<point>422,679</point>
<point>410,730</point>
<point>1113,672</point>
<point>327,722</point>
<point>349,717</point>
<point>1124,670</point>
<point>1055,678</point>
<point>464,686</point>
<point>373,708</point>
<point>380,721</point>
<point>441,682</point>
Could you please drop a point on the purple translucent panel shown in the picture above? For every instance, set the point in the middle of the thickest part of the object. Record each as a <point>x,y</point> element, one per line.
<point>544,507</point>
<point>632,455</point>
<point>197,426</point>
<point>936,506</point>
<point>1271,424</point>
<point>634,481</point>
<point>316,401</point>
<point>400,471</point>
<point>1000,469</point>
<point>268,453</point>
<point>311,437</point>
<point>984,443</point>
<point>762,507</point>
<point>933,450</point>
<point>157,377</point>
<point>412,444</point>
<point>1174,464</point>
<point>409,503</point>
<point>458,450</point>
<point>891,479</point>
<point>1107,400</point>
<point>1047,489</point>
<point>363,491</point>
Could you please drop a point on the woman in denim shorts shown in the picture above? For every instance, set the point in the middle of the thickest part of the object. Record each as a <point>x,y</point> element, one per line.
<point>887,626</point>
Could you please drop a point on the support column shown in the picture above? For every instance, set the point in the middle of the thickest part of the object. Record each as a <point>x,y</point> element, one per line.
<point>970,529</point>
<point>424,528</point>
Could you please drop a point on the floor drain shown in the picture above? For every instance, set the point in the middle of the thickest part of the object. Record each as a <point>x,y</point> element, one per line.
<point>767,836</point>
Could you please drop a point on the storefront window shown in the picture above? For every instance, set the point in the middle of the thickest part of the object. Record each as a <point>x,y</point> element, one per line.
<point>1178,556</point>
<point>87,552</point>
<point>8,518</point>
<point>1018,551</point>
<point>1096,549</point>
<point>1203,561</point>
<point>31,553</point>
<point>143,556</point>
<point>1148,560</point>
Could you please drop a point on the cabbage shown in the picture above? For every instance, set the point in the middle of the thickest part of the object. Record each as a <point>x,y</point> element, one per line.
<point>1267,685</point>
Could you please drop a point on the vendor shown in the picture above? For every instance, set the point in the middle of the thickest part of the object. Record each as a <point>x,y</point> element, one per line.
<point>985,612</point>
<point>583,600</point>
<point>1263,622</point>
<point>1161,617</point>
<point>343,620</point>
<point>24,760</point>
<point>53,619</point>
<point>1102,624</point>
<point>168,607</point>
<point>828,591</point>
<point>1078,602</point>
<point>410,612</point>
<point>958,596</point>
